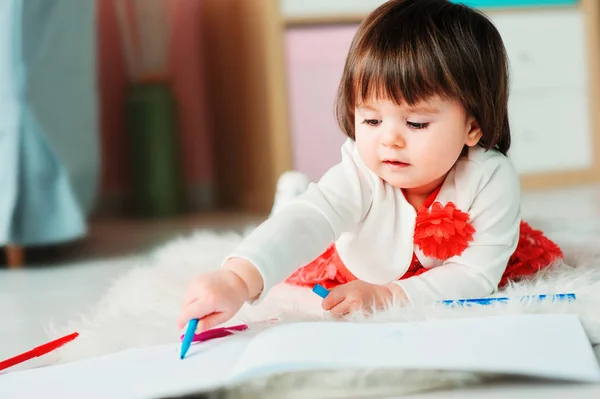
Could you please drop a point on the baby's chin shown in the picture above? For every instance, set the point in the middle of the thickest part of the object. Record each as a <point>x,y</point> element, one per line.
<point>405,177</point>
<point>400,182</point>
<point>406,182</point>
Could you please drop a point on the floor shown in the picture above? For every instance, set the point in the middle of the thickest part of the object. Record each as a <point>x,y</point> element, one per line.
<point>59,283</point>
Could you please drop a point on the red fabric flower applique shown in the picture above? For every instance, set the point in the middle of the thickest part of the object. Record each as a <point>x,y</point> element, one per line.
<point>443,232</point>
<point>534,252</point>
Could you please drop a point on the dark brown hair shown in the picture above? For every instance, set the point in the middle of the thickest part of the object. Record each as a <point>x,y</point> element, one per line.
<point>410,50</point>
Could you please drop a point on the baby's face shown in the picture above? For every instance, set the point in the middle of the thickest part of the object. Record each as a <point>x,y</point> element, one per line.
<point>413,147</point>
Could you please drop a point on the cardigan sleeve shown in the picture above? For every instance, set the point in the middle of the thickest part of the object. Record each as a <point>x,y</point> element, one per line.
<point>304,227</point>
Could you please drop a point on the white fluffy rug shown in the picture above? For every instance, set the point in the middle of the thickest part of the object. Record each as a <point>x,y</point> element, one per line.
<point>141,307</point>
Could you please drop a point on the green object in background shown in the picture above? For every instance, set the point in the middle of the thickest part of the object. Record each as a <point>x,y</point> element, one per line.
<point>516,3</point>
<point>153,150</point>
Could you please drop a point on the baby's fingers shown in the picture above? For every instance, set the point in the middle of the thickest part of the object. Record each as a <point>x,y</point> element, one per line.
<point>194,310</point>
<point>212,320</point>
<point>191,294</point>
<point>344,308</point>
<point>334,297</point>
<point>188,298</point>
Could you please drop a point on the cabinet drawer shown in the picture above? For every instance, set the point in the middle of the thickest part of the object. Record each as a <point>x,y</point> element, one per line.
<point>546,49</point>
<point>550,131</point>
<point>314,64</point>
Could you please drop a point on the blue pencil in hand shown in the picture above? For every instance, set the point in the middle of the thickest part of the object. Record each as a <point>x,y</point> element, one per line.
<point>320,291</point>
<point>189,336</point>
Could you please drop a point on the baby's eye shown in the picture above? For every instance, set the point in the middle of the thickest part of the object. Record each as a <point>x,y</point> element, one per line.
<point>372,122</point>
<point>415,125</point>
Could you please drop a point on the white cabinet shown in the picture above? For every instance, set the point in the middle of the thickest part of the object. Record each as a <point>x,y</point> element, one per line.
<point>550,130</point>
<point>549,102</point>
<point>546,48</point>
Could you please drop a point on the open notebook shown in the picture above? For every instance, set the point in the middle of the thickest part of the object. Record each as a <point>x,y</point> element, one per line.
<point>543,346</point>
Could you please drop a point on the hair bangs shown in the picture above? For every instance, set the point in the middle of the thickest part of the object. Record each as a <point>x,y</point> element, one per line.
<point>403,74</point>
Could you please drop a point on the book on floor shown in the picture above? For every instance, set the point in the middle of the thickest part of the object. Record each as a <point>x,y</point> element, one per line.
<point>540,346</point>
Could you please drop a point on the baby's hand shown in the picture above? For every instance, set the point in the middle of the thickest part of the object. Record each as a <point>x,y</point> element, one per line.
<point>360,296</point>
<point>214,298</point>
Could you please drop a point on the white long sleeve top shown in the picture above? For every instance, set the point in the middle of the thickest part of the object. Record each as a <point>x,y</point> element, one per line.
<point>372,225</point>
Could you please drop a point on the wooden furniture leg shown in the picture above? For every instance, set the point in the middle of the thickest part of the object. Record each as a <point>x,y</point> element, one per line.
<point>15,256</point>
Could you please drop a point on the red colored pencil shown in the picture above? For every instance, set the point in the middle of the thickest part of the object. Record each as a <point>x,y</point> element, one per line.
<point>38,351</point>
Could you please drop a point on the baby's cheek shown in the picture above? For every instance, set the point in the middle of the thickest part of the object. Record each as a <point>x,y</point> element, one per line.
<point>429,157</point>
<point>439,155</point>
<point>368,153</point>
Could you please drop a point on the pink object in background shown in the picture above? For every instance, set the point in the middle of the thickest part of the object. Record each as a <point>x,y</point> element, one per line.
<point>315,60</point>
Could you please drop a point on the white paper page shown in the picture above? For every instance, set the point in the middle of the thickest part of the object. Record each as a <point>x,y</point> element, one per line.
<point>132,374</point>
<point>546,346</point>
<point>543,346</point>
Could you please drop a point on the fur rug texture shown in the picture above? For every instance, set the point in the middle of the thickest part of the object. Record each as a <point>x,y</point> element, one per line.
<point>141,307</point>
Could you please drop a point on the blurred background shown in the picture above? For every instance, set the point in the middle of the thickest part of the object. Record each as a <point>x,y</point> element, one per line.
<point>126,123</point>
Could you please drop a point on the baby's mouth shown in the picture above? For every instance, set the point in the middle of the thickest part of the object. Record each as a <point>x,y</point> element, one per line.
<point>395,164</point>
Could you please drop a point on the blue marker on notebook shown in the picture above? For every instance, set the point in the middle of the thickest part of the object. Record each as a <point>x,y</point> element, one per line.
<point>320,291</point>
<point>323,292</point>
<point>491,300</point>
<point>189,336</point>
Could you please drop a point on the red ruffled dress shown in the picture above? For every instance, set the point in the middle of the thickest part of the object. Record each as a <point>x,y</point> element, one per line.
<point>440,232</point>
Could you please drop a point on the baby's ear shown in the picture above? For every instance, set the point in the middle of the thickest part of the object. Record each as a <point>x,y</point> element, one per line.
<point>474,133</point>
